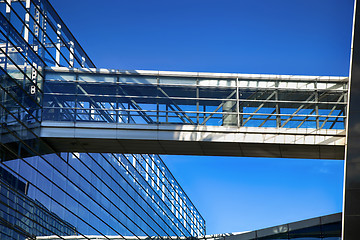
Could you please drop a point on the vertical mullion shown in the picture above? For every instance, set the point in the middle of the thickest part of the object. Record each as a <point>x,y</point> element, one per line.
<point>157,100</point>
<point>197,102</point>
<point>8,9</point>
<point>27,21</point>
<point>128,112</point>
<point>76,95</point>
<point>117,109</point>
<point>167,113</point>
<point>58,46</point>
<point>278,118</point>
<point>317,106</point>
<point>237,102</point>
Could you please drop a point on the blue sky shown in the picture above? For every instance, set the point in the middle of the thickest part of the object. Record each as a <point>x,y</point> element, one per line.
<point>309,37</point>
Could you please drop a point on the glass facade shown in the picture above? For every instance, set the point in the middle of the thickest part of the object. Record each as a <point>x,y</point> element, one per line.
<point>97,194</point>
<point>47,193</point>
<point>22,216</point>
<point>242,100</point>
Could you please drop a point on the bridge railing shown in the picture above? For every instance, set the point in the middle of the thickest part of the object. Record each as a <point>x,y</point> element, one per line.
<point>148,97</point>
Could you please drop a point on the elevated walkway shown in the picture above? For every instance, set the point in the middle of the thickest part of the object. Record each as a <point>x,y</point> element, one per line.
<point>255,115</point>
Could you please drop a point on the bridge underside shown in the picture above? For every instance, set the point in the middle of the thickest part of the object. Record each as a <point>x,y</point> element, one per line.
<point>198,148</point>
<point>194,140</point>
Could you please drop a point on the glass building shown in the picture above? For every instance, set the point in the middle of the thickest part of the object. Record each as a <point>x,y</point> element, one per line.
<point>49,193</point>
<point>66,174</point>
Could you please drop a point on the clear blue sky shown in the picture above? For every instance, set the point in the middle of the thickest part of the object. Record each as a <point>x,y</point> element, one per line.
<point>309,37</point>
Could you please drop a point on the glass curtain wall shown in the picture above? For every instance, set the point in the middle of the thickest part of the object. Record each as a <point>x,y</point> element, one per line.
<point>156,98</point>
<point>44,193</point>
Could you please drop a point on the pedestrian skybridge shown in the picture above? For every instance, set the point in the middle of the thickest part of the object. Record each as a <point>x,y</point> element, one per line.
<point>165,112</point>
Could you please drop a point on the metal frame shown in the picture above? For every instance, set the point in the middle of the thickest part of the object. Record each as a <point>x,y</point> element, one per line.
<point>159,98</point>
